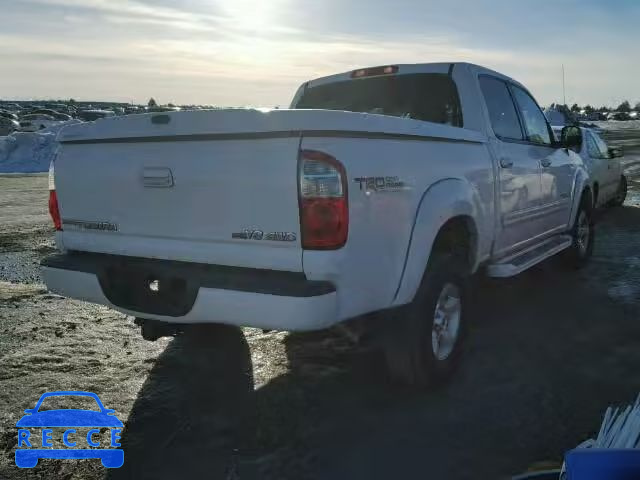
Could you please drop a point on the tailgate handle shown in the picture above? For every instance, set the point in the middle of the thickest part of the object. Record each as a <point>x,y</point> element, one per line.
<point>159,177</point>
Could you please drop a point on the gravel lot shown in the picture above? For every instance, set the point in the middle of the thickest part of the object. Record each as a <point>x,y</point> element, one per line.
<point>548,351</point>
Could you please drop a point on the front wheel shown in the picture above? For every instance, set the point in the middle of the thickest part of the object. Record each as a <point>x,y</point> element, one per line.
<point>583,235</point>
<point>426,344</point>
<point>621,194</point>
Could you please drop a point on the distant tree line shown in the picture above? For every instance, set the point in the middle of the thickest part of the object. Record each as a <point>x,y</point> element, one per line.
<point>575,108</point>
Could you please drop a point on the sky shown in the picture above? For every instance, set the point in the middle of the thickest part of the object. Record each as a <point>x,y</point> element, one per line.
<point>257,52</point>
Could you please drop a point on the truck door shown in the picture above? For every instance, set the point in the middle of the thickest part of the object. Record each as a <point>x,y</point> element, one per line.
<point>518,168</point>
<point>556,164</point>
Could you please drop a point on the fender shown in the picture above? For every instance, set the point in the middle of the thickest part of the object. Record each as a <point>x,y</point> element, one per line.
<point>443,200</point>
<point>581,180</point>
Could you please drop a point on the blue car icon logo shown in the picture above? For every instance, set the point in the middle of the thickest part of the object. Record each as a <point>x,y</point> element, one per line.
<point>28,452</point>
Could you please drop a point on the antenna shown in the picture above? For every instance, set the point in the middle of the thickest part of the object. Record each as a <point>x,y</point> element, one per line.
<point>564,95</point>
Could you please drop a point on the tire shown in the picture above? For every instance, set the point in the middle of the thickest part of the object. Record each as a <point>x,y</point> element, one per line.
<point>426,344</point>
<point>583,235</point>
<point>621,194</point>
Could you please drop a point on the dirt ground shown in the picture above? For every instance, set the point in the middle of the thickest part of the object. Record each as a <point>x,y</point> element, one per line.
<point>548,352</point>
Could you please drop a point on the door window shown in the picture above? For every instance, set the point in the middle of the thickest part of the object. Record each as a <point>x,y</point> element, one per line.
<point>599,148</point>
<point>535,123</point>
<point>592,148</point>
<point>502,111</point>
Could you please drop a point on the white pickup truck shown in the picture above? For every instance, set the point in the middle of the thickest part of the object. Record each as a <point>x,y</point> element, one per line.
<point>375,196</point>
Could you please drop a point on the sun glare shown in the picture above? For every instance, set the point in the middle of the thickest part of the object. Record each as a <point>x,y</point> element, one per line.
<point>252,15</point>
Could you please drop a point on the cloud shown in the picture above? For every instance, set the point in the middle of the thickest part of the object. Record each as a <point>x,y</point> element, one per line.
<point>129,8</point>
<point>237,52</point>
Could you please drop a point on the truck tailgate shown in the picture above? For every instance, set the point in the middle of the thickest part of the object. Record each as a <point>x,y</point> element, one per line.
<point>193,185</point>
<point>226,202</point>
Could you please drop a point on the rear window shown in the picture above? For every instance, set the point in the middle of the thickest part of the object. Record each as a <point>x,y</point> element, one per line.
<point>432,97</point>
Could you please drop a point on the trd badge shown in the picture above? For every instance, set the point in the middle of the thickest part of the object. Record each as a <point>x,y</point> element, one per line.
<point>380,184</point>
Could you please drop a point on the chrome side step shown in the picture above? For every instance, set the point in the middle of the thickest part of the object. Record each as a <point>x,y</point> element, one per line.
<point>521,261</point>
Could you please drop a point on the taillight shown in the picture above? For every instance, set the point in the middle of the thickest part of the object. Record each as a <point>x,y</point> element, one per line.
<point>324,209</point>
<point>54,211</point>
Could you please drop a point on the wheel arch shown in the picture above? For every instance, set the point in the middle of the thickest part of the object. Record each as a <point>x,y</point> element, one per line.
<point>449,216</point>
<point>458,235</point>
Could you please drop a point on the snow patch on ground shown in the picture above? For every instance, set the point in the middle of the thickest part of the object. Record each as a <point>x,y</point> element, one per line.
<point>27,152</point>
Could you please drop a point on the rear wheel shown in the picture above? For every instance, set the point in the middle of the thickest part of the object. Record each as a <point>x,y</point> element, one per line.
<point>621,194</point>
<point>425,347</point>
<point>583,234</point>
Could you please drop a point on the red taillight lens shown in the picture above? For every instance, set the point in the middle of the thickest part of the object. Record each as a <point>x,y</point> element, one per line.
<point>54,211</point>
<point>324,209</point>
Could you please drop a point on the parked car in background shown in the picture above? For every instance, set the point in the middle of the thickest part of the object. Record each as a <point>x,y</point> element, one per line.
<point>63,117</point>
<point>128,110</point>
<point>8,114</point>
<point>595,117</point>
<point>160,108</point>
<point>32,122</point>
<point>608,182</point>
<point>91,115</point>
<point>61,107</point>
<point>373,199</point>
<point>8,126</point>
<point>13,107</point>
<point>621,116</point>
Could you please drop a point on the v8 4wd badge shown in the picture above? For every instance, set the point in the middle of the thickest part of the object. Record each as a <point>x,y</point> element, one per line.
<point>253,234</point>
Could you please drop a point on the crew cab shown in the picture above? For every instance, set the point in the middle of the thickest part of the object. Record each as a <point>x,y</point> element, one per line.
<point>608,181</point>
<point>372,199</point>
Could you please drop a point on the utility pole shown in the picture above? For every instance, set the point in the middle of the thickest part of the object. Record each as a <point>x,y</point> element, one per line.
<point>564,95</point>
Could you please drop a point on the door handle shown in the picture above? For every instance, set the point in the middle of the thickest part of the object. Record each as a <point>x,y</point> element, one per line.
<point>506,162</point>
<point>545,162</point>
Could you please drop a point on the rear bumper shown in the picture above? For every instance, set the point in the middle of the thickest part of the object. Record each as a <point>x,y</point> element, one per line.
<point>204,293</point>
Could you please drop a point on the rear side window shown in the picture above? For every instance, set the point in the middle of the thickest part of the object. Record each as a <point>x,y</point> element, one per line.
<point>535,123</point>
<point>432,97</point>
<point>502,111</point>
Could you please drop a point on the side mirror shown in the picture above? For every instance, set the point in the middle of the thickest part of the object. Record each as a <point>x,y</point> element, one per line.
<point>615,152</point>
<point>571,137</point>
